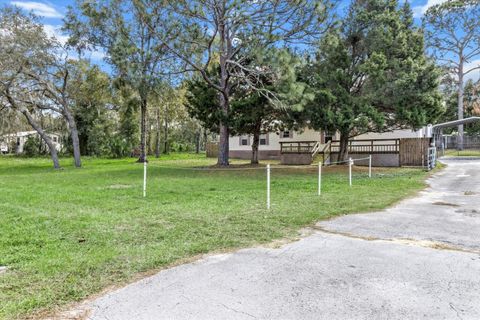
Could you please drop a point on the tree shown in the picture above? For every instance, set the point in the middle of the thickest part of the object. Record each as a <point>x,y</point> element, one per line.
<point>471,102</point>
<point>92,101</point>
<point>169,110</point>
<point>127,107</point>
<point>215,32</point>
<point>136,55</point>
<point>52,78</point>
<point>453,34</point>
<point>19,49</point>
<point>253,112</point>
<point>43,64</point>
<point>371,74</point>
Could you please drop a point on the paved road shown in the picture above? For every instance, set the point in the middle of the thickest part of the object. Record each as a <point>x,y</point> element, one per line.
<point>418,260</point>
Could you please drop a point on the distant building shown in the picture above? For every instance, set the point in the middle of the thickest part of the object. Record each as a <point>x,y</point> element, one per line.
<point>15,142</point>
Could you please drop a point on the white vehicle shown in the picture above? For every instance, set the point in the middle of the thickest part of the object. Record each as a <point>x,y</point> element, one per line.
<point>3,148</point>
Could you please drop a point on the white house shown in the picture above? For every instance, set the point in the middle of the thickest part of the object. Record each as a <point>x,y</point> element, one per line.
<point>15,142</point>
<point>270,143</point>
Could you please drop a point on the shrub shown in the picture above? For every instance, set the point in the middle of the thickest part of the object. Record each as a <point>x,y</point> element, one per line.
<point>32,146</point>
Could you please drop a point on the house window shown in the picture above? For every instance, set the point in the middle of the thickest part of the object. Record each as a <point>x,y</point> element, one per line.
<point>263,140</point>
<point>328,136</point>
<point>18,141</point>
<point>286,134</point>
<point>244,141</point>
<point>55,139</point>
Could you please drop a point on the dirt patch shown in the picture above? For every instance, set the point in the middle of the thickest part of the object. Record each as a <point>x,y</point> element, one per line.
<point>119,186</point>
<point>442,203</point>
<point>469,193</point>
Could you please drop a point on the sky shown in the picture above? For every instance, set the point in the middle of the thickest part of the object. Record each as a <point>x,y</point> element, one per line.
<point>53,11</point>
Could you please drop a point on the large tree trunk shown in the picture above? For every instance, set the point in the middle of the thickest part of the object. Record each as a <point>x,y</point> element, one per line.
<point>165,134</point>
<point>197,141</point>
<point>255,143</point>
<point>72,125</point>
<point>143,130</point>
<point>205,138</point>
<point>343,148</point>
<point>460,105</point>
<point>149,139</point>
<point>224,95</point>
<point>44,136</point>
<point>157,137</point>
<point>223,147</point>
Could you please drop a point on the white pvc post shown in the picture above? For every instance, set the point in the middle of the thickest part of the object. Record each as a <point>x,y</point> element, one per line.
<point>268,186</point>
<point>145,178</point>
<point>370,166</point>
<point>319,177</point>
<point>350,162</point>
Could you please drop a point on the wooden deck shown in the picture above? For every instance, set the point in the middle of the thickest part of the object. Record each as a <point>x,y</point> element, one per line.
<point>405,151</point>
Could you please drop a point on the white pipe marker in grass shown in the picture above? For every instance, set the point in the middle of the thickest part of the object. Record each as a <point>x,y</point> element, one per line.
<point>319,177</point>
<point>350,163</point>
<point>370,166</point>
<point>145,178</point>
<point>268,186</point>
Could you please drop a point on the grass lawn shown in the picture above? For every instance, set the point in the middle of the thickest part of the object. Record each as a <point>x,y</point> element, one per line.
<point>67,234</point>
<point>462,153</point>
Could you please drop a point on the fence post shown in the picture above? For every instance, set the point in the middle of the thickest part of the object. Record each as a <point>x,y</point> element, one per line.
<point>145,178</point>
<point>319,177</point>
<point>370,166</point>
<point>350,163</point>
<point>268,186</point>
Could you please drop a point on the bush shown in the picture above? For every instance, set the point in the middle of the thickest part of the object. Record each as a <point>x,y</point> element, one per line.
<point>180,147</point>
<point>32,146</point>
<point>118,147</point>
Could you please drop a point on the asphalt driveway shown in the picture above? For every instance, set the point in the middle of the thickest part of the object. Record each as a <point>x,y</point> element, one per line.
<point>417,260</point>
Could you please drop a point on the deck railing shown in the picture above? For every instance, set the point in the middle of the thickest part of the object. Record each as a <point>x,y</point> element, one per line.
<point>373,146</point>
<point>297,146</point>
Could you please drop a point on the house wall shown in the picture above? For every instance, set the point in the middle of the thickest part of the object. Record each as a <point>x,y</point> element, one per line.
<point>272,149</point>
<point>378,160</point>
<point>18,140</point>
<point>396,134</point>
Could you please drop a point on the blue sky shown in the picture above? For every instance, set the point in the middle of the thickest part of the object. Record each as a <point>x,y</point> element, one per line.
<point>53,11</point>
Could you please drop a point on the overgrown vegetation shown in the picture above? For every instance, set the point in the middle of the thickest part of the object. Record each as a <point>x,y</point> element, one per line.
<point>102,232</point>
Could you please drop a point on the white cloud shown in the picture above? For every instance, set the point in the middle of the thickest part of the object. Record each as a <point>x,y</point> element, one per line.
<point>419,11</point>
<point>55,31</point>
<point>38,8</point>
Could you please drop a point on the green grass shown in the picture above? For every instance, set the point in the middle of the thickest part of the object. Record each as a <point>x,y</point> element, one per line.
<point>67,234</point>
<point>462,153</point>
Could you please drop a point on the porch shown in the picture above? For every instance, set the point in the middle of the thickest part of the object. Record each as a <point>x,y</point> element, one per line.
<point>384,152</point>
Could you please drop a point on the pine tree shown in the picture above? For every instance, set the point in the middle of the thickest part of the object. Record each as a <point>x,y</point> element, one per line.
<point>371,74</point>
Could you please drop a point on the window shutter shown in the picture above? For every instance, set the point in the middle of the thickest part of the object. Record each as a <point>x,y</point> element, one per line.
<point>267,139</point>
<point>290,134</point>
<point>240,140</point>
<point>248,139</point>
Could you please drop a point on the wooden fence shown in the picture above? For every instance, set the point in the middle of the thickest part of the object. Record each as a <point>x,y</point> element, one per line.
<point>414,151</point>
